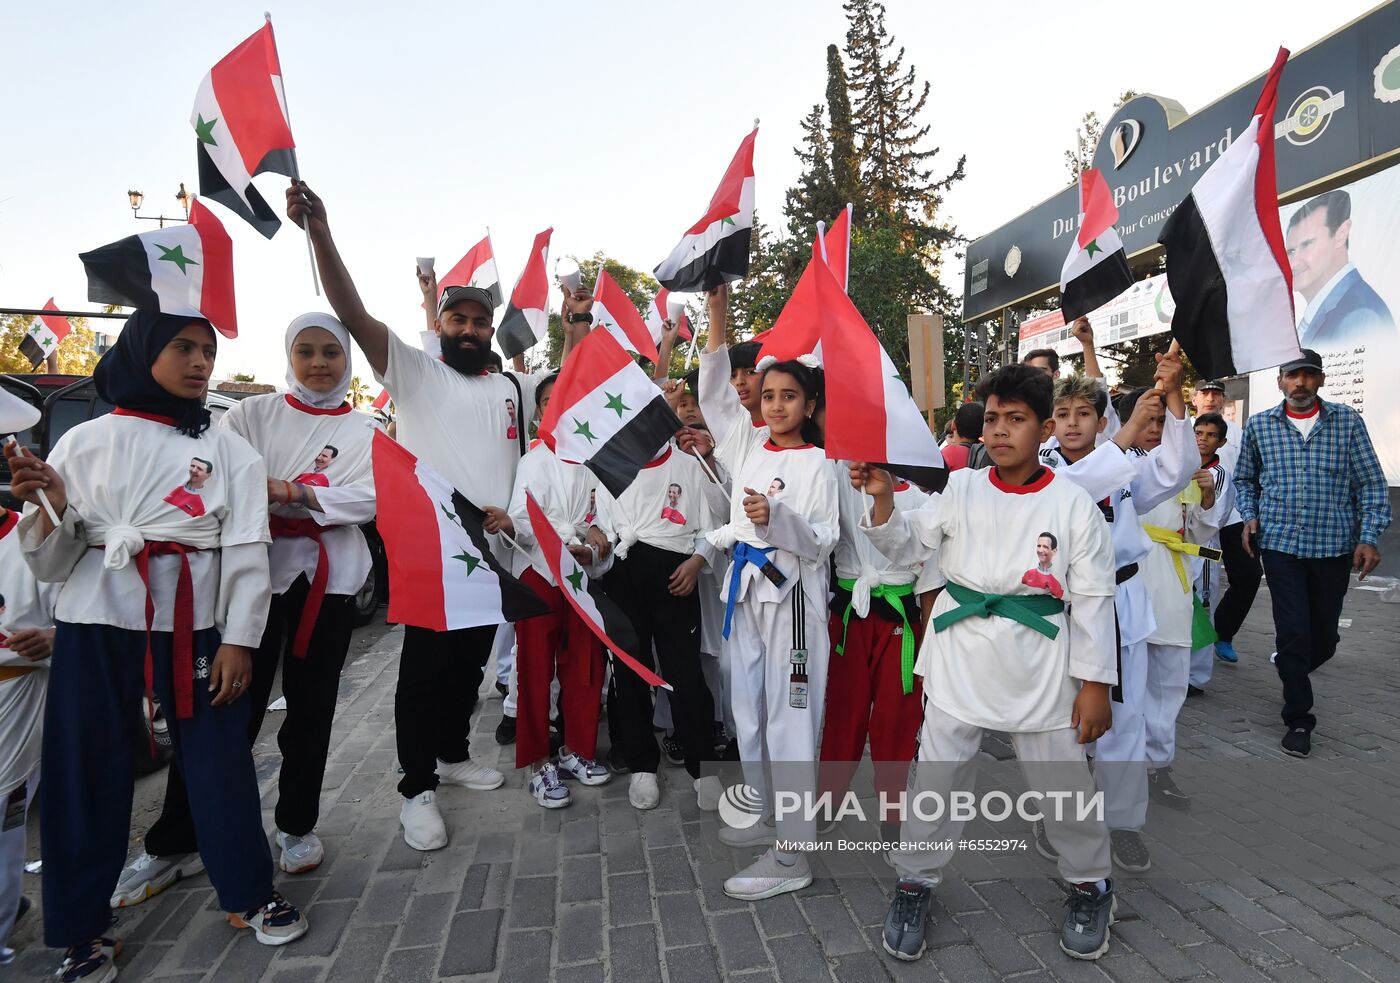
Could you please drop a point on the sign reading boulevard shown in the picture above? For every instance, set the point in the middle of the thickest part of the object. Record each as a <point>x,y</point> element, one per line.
<point>1337,116</point>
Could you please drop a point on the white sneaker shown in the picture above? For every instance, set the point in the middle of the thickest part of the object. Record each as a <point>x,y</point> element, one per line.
<point>707,793</point>
<point>469,774</point>
<point>764,832</point>
<point>766,878</point>
<point>548,790</point>
<point>1273,657</point>
<point>300,853</point>
<point>423,828</point>
<point>147,876</point>
<point>642,791</point>
<point>584,770</point>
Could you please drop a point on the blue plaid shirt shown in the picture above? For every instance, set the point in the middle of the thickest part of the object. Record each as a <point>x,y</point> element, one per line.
<point>1316,497</point>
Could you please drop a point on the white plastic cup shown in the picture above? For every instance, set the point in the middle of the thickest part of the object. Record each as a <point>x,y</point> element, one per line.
<point>674,310</point>
<point>566,271</point>
<point>425,265</point>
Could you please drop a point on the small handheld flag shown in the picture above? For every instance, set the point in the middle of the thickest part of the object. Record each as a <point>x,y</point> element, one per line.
<point>42,336</point>
<point>527,317</point>
<point>715,249</point>
<point>1096,269</point>
<point>476,269</point>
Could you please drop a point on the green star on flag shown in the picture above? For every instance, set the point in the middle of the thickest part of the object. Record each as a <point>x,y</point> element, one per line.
<point>1092,248</point>
<point>575,580</point>
<point>204,129</point>
<point>176,256</point>
<point>472,562</point>
<point>615,403</point>
<point>582,428</point>
<point>447,512</point>
<point>728,220</point>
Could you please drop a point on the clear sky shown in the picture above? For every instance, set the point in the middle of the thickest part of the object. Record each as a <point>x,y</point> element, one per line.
<point>423,122</point>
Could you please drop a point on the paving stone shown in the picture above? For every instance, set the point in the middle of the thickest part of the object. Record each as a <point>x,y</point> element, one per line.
<point>359,956</point>
<point>427,919</point>
<point>471,943</point>
<point>632,954</point>
<point>832,926</point>
<point>581,879</point>
<point>799,959</point>
<point>740,947</point>
<point>411,964</point>
<point>526,958</point>
<point>532,902</point>
<point>693,964</point>
<point>580,932</point>
<point>682,923</point>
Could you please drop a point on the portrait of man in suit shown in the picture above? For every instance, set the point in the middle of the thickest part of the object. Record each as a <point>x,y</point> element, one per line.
<point>1342,308</point>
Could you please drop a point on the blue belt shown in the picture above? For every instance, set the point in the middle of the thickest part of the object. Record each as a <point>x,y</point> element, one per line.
<point>743,555</point>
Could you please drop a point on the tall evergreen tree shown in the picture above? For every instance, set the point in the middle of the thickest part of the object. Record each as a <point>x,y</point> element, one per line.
<point>811,199</point>
<point>845,165</point>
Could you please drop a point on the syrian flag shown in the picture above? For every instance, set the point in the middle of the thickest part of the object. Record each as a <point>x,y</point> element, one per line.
<point>381,401</point>
<point>834,247</point>
<point>476,269</point>
<point>527,317</point>
<point>715,249</point>
<point>613,311</point>
<point>661,309</point>
<point>42,338</point>
<point>870,415</point>
<point>1227,267</point>
<point>1096,269</point>
<point>185,269</point>
<point>605,414</point>
<point>443,573</point>
<point>798,328</point>
<point>588,600</point>
<point>241,129</point>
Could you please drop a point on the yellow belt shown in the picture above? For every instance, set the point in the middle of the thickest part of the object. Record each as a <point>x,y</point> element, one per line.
<point>1174,541</point>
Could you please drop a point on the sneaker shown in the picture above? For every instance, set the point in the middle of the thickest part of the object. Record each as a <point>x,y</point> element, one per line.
<point>586,770</point>
<point>1085,934</point>
<point>1194,690</point>
<point>1043,846</point>
<point>423,828</point>
<point>275,923</point>
<point>642,791</point>
<point>767,877</point>
<point>91,962</point>
<point>505,731</point>
<point>762,832</point>
<point>300,853</point>
<point>1225,652</point>
<point>1297,742</point>
<point>1164,789</point>
<point>907,921</point>
<point>708,790</point>
<point>147,876</point>
<point>469,774</point>
<point>674,752</point>
<point>548,790</point>
<point>1273,657</point>
<point>1129,852</point>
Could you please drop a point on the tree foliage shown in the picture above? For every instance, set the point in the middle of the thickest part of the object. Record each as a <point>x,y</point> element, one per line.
<point>77,352</point>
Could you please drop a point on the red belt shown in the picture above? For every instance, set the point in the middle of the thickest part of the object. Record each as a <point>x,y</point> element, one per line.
<point>182,621</point>
<point>284,528</point>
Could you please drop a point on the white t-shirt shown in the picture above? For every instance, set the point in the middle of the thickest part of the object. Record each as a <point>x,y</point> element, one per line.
<point>666,506</point>
<point>735,433</point>
<point>331,452</point>
<point>994,672</point>
<point>857,559</point>
<point>566,494</point>
<point>26,604</point>
<point>130,480</point>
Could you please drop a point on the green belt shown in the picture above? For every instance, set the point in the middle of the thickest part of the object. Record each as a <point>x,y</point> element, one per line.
<point>1028,609</point>
<point>893,593</point>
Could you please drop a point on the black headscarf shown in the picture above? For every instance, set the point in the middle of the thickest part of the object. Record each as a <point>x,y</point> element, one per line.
<point>124,379</point>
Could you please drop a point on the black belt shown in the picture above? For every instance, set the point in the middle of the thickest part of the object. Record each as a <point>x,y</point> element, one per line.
<point>1125,573</point>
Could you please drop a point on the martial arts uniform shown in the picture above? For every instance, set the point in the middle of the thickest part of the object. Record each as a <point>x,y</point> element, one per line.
<point>875,628</point>
<point>654,525</point>
<point>318,561</point>
<point>735,433</point>
<point>120,548</point>
<point>1208,571</point>
<point>778,699</point>
<point>988,661</point>
<point>464,428</point>
<point>1122,483</point>
<point>24,603</point>
<point>560,642</point>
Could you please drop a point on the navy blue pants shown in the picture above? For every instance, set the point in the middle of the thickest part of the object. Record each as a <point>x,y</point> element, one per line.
<point>95,688</point>
<point>1307,595</point>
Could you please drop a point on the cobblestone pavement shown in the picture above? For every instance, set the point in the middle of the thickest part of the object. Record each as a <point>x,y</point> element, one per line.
<point>600,891</point>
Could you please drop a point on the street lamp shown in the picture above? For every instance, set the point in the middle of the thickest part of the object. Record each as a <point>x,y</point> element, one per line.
<point>135,198</point>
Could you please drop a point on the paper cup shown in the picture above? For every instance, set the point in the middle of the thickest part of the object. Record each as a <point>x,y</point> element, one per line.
<point>566,271</point>
<point>425,265</point>
<point>674,310</point>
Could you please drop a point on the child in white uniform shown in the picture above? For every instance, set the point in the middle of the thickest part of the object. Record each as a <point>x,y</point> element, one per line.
<point>1217,486</point>
<point>783,523</point>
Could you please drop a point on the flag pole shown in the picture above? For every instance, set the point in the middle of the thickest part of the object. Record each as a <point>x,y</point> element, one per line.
<point>705,466</point>
<point>296,168</point>
<point>850,231</point>
<point>821,240</point>
<point>43,496</point>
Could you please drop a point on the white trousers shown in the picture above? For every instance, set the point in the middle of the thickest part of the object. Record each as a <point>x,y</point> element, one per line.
<point>504,651</point>
<point>774,736</point>
<point>12,861</point>
<point>1051,761</point>
<point>1120,756</point>
<point>1168,670</point>
<point>1208,587</point>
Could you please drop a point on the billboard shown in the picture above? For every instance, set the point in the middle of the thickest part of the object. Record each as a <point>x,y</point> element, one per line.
<point>1143,309</point>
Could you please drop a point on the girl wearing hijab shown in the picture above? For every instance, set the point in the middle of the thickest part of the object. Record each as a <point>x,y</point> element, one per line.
<point>153,597</point>
<point>318,560</point>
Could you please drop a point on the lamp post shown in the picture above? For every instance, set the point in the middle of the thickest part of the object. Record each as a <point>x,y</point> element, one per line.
<point>135,198</point>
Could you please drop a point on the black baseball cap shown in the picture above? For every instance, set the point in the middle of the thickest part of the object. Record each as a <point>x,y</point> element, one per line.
<point>456,295</point>
<point>1309,359</point>
<point>1213,386</point>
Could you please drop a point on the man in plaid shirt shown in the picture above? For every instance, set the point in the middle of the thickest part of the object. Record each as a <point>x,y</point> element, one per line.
<point>1310,489</point>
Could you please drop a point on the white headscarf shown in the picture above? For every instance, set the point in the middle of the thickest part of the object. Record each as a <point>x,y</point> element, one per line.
<point>327,400</point>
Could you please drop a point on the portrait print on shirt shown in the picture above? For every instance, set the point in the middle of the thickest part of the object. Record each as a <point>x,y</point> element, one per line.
<point>1041,577</point>
<point>187,497</point>
<point>317,476</point>
<point>4,639</point>
<point>776,487</point>
<point>592,506</point>
<point>671,511</point>
<point>512,427</point>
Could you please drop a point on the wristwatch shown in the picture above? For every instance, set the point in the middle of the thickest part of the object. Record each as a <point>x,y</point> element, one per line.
<point>575,318</point>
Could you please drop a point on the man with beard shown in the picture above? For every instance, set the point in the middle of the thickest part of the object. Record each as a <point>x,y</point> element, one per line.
<point>452,414</point>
